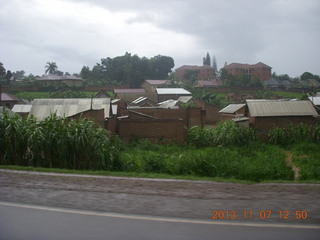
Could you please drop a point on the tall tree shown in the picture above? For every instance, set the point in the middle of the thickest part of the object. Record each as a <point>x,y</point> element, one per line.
<point>2,70</point>
<point>51,68</point>
<point>214,64</point>
<point>207,60</point>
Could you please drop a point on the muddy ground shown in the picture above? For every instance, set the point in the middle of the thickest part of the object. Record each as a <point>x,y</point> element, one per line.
<point>167,198</point>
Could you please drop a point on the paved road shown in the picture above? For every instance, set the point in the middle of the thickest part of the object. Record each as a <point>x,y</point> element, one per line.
<point>30,222</point>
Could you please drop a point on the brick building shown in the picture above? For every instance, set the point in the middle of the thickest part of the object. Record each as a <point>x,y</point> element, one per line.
<point>259,70</point>
<point>201,72</point>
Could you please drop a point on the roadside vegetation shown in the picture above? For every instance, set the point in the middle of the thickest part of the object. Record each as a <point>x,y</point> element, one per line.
<point>225,152</point>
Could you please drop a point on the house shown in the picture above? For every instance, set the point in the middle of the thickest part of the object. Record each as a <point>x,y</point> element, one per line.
<point>8,100</point>
<point>57,80</point>
<point>199,72</point>
<point>258,70</point>
<point>171,93</point>
<point>154,123</point>
<point>233,111</point>
<point>265,115</point>
<point>97,109</point>
<point>152,85</point>
<point>131,94</point>
<point>208,84</point>
<point>276,84</point>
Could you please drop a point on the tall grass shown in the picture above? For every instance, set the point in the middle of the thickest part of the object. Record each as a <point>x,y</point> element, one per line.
<point>57,143</point>
<point>254,162</point>
<point>227,133</point>
<point>294,134</point>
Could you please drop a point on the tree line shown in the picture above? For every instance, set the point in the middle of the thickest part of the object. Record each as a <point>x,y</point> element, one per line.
<point>128,69</point>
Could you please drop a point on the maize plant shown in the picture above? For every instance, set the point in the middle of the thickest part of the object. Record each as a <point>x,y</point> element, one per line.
<point>57,143</point>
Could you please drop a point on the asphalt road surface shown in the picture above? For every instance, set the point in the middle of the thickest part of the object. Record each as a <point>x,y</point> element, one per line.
<point>30,222</point>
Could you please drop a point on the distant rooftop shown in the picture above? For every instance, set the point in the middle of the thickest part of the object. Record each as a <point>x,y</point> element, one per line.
<point>8,97</point>
<point>157,82</point>
<point>55,77</point>
<point>130,90</point>
<point>162,91</point>
<point>245,65</point>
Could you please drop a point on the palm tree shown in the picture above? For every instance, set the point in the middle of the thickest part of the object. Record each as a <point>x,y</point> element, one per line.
<point>51,68</point>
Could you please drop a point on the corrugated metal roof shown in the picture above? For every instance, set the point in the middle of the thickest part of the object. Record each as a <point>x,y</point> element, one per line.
<point>68,107</point>
<point>172,91</point>
<point>185,99</point>
<point>315,100</point>
<point>169,104</point>
<point>21,108</point>
<point>8,97</point>
<point>232,108</point>
<point>281,108</point>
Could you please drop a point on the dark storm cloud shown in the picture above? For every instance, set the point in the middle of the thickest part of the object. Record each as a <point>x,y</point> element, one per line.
<point>281,33</point>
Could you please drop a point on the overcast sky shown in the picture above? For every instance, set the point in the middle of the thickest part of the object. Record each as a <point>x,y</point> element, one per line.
<point>284,34</point>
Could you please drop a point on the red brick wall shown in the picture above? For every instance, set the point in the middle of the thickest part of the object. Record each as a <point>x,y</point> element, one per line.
<point>96,116</point>
<point>264,124</point>
<point>154,130</point>
<point>191,116</point>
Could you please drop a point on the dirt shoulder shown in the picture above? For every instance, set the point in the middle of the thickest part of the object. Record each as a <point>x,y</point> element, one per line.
<point>168,198</point>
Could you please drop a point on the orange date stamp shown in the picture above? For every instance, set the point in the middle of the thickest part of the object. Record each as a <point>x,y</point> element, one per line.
<point>262,215</point>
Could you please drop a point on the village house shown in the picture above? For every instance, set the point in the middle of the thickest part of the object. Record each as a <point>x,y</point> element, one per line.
<point>258,70</point>
<point>8,100</point>
<point>171,93</point>
<point>154,123</point>
<point>131,94</point>
<point>265,115</point>
<point>97,109</point>
<point>57,80</point>
<point>152,85</point>
<point>232,111</point>
<point>202,72</point>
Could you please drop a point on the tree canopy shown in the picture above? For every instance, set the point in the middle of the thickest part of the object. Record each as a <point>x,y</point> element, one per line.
<point>128,69</point>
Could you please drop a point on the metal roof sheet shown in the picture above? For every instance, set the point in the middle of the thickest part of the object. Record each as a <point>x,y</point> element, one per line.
<point>281,108</point>
<point>21,108</point>
<point>68,107</point>
<point>232,108</point>
<point>315,100</point>
<point>172,91</point>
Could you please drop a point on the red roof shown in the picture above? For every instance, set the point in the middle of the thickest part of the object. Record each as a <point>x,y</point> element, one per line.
<point>193,67</point>
<point>130,90</point>
<point>8,97</point>
<point>242,65</point>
